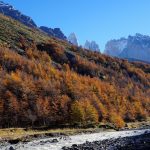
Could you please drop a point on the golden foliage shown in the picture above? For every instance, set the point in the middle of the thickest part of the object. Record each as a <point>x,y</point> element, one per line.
<point>45,86</point>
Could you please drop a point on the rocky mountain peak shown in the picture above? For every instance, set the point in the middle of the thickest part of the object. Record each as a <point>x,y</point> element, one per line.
<point>92,46</point>
<point>115,47</point>
<point>9,10</point>
<point>56,32</point>
<point>134,47</point>
<point>73,39</point>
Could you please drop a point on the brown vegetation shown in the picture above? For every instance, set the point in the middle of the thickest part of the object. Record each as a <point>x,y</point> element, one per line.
<point>54,83</point>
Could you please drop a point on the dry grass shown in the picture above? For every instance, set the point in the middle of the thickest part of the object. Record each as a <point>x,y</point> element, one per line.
<point>19,133</point>
<point>134,125</point>
<point>15,133</point>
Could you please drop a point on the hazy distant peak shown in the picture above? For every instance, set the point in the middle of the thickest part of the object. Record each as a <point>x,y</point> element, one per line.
<point>91,46</point>
<point>134,47</point>
<point>115,47</point>
<point>73,39</point>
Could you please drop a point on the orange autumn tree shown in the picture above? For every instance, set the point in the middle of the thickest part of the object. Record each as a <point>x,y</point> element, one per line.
<point>77,113</point>
<point>43,109</point>
<point>83,112</point>
<point>116,120</point>
<point>91,114</point>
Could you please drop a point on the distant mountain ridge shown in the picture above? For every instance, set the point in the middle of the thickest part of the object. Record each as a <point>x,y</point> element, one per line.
<point>134,47</point>
<point>9,10</point>
<point>56,32</point>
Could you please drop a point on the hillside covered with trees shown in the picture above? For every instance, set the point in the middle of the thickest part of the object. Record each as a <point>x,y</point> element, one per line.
<point>45,81</point>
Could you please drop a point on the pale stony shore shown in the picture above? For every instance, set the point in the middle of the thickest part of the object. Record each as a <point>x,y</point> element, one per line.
<point>73,139</point>
<point>107,140</point>
<point>138,142</point>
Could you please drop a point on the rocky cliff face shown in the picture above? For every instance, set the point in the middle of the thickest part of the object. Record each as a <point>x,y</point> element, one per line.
<point>92,46</point>
<point>10,11</point>
<point>56,32</point>
<point>88,45</point>
<point>134,47</point>
<point>115,47</point>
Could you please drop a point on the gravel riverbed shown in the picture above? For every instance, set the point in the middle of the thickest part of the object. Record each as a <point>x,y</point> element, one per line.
<point>139,142</point>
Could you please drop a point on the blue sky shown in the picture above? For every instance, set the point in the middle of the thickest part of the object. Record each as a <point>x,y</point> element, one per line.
<point>99,20</point>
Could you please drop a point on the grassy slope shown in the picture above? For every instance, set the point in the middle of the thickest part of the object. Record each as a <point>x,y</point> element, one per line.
<point>12,30</point>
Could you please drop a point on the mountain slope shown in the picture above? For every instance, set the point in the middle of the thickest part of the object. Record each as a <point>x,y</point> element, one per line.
<point>134,47</point>
<point>49,82</point>
<point>10,11</point>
